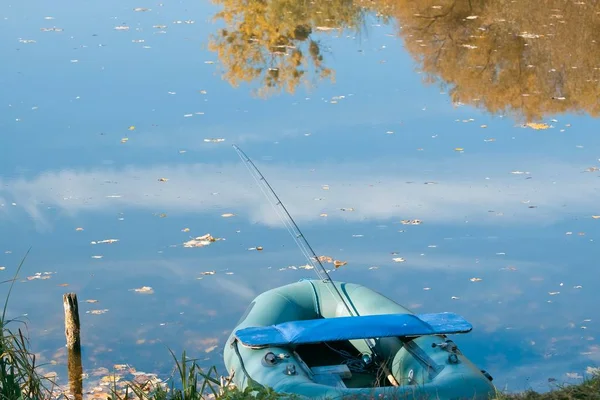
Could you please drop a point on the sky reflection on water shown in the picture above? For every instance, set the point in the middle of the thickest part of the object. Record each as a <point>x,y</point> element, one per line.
<point>507,204</point>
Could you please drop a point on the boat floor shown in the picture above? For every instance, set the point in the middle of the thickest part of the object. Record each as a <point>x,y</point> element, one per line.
<point>321,354</point>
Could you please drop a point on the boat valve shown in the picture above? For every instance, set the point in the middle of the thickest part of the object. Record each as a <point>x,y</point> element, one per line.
<point>270,358</point>
<point>453,358</point>
<point>447,345</point>
<point>290,369</point>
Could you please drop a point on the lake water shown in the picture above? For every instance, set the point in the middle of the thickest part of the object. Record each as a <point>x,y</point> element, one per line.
<point>474,118</point>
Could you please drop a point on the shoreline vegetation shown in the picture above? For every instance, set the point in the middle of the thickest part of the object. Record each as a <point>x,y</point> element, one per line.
<point>22,378</point>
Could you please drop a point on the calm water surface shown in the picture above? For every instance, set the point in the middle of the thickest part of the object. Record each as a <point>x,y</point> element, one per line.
<point>475,118</point>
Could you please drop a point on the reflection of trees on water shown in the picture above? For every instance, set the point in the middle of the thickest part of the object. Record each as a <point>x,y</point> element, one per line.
<point>528,58</point>
<point>271,41</point>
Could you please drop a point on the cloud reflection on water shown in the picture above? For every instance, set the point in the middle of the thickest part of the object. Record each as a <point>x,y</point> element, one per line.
<point>497,196</point>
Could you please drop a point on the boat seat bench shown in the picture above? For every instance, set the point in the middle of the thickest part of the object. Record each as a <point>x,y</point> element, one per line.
<point>349,328</point>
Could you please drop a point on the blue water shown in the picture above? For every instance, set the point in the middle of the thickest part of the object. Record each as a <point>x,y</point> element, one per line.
<point>515,212</point>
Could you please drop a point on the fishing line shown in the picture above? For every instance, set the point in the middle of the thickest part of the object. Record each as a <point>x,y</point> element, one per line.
<point>305,247</point>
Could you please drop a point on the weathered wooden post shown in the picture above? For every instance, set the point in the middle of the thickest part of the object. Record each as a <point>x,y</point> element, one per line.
<point>72,334</point>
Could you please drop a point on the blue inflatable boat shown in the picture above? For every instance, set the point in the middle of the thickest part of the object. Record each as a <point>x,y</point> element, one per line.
<point>304,339</point>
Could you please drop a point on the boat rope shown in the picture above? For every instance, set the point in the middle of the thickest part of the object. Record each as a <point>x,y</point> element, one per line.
<point>251,382</point>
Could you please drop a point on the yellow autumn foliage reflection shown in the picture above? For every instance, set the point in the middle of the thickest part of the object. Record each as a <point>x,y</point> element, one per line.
<point>272,41</point>
<point>527,58</point>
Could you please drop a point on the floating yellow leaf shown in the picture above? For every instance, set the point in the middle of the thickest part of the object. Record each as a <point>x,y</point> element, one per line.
<point>537,125</point>
<point>338,263</point>
<point>131,128</point>
<point>596,216</point>
<point>163,179</point>
<point>110,379</point>
<point>475,279</point>
<point>227,215</point>
<point>144,289</point>
<point>398,259</point>
<point>459,149</point>
<point>78,229</point>
<point>185,230</point>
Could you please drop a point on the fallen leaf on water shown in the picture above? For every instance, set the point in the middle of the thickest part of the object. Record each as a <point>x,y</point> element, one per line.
<point>2,268</point>
<point>347,209</point>
<point>91,301</point>
<point>208,273</point>
<point>459,149</point>
<point>97,257</point>
<point>78,229</point>
<point>105,241</point>
<point>201,241</point>
<point>227,215</point>
<point>307,266</point>
<point>185,230</point>
<point>398,259</point>
<point>596,216</point>
<point>322,215</point>
<point>124,140</point>
<point>211,348</point>
<point>325,259</point>
<point>131,128</point>
<point>411,222</point>
<point>536,125</point>
<point>214,140</point>
<point>338,263</point>
<point>110,379</point>
<point>325,187</point>
<point>40,275</point>
<point>163,179</point>
<point>475,279</point>
<point>63,284</point>
<point>141,9</point>
<point>553,293</point>
<point>97,312</point>
<point>145,290</point>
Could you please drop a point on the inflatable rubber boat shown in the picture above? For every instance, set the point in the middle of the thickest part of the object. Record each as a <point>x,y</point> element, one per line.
<point>300,339</point>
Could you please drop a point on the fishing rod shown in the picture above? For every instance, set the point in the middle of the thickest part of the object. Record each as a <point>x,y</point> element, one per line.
<point>303,244</point>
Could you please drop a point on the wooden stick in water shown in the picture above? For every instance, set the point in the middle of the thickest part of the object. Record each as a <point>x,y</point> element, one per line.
<point>72,334</point>
<point>72,327</point>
